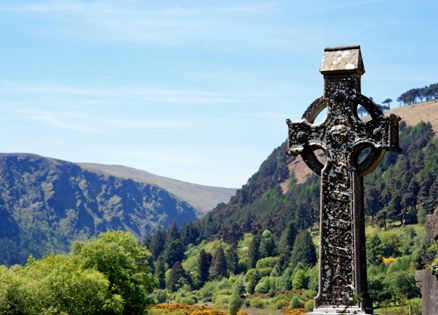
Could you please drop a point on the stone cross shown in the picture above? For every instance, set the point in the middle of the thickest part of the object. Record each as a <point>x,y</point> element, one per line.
<point>353,147</point>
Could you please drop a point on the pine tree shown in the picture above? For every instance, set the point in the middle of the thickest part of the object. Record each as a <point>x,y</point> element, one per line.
<point>172,233</point>
<point>174,252</point>
<point>160,270</point>
<point>303,250</point>
<point>177,277</point>
<point>219,264</point>
<point>232,260</point>
<point>157,242</point>
<point>189,234</point>
<point>204,262</point>
<point>253,252</point>
<point>286,242</point>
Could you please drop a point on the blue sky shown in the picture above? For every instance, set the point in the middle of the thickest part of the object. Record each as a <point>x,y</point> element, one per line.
<point>194,90</point>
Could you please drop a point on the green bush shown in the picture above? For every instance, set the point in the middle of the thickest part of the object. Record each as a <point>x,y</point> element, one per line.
<point>263,272</point>
<point>280,304</point>
<point>267,262</point>
<point>160,296</point>
<point>264,285</point>
<point>295,303</point>
<point>257,303</point>
<point>310,304</point>
<point>235,303</point>
<point>251,279</point>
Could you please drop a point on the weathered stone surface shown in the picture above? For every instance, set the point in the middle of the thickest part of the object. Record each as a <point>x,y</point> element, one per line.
<point>342,136</point>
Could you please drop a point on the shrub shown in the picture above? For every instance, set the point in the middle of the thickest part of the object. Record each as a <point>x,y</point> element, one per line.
<point>263,272</point>
<point>251,279</point>
<point>267,262</point>
<point>160,296</point>
<point>235,303</point>
<point>295,303</point>
<point>264,285</point>
<point>310,304</point>
<point>257,303</point>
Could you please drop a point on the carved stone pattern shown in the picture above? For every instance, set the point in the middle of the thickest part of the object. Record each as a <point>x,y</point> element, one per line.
<point>342,136</point>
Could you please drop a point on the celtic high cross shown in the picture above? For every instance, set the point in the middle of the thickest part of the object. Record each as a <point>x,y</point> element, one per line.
<point>353,147</point>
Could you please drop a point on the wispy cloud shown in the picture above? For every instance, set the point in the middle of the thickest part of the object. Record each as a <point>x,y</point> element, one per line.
<point>168,24</point>
<point>141,93</point>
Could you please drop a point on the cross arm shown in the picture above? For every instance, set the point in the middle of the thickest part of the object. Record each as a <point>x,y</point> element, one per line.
<point>304,136</point>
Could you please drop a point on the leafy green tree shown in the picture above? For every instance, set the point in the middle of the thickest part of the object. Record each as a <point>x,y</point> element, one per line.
<point>374,250</point>
<point>251,279</point>
<point>267,245</point>
<point>303,250</point>
<point>235,303</point>
<point>204,262</point>
<point>56,284</point>
<point>299,279</point>
<point>236,297</point>
<point>219,264</point>
<point>122,259</point>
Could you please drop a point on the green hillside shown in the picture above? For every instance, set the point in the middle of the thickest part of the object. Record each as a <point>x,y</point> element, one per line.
<point>45,204</point>
<point>202,198</point>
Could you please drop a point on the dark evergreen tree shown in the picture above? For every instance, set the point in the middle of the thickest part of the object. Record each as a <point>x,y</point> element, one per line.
<point>157,242</point>
<point>172,233</point>
<point>219,264</point>
<point>286,242</point>
<point>160,270</point>
<point>253,252</point>
<point>204,262</point>
<point>189,234</point>
<point>177,277</point>
<point>174,252</point>
<point>232,260</point>
<point>303,250</point>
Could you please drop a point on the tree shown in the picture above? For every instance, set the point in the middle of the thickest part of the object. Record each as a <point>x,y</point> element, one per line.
<point>157,242</point>
<point>173,233</point>
<point>189,234</point>
<point>56,284</point>
<point>122,259</point>
<point>387,102</point>
<point>177,277</point>
<point>204,262</point>
<point>303,250</point>
<point>174,252</point>
<point>232,260</point>
<point>160,271</point>
<point>219,264</point>
<point>267,245</point>
<point>299,279</point>
<point>286,242</point>
<point>236,297</point>
<point>253,252</point>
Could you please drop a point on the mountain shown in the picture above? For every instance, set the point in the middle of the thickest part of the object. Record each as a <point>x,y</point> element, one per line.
<point>46,203</point>
<point>202,198</point>
<point>402,188</point>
